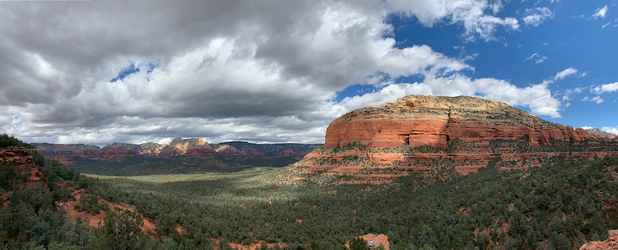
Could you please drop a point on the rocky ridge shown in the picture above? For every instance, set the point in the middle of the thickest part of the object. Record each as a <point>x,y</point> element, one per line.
<point>598,132</point>
<point>435,133</point>
<point>183,151</point>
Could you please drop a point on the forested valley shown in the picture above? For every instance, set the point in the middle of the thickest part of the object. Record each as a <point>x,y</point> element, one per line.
<point>559,206</point>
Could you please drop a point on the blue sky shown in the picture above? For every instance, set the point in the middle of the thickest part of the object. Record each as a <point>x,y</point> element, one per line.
<point>98,72</point>
<point>577,35</point>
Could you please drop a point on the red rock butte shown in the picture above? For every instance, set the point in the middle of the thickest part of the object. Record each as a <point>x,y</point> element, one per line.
<point>470,123</point>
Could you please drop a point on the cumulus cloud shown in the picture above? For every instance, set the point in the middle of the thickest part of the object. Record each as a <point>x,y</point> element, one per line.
<point>613,130</point>
<point>605,88</point>
<point>600,13</point>
<point>536,57</point>
<point>470,13</point>
<point>536,16</point>
<point>102,71</point>
<point>587,127</point>
<point>537,98</point>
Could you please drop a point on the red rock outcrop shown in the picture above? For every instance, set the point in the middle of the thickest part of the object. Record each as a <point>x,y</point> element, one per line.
<point>465,130</point>
<point>435,121</point>
<point>18,155</point>
<point>610,243</point>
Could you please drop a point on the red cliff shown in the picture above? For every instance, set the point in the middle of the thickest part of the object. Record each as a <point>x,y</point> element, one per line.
<point>435,121</point>
<point>467,131</point>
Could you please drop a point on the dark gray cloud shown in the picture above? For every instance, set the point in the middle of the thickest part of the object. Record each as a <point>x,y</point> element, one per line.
<point>224,70</point>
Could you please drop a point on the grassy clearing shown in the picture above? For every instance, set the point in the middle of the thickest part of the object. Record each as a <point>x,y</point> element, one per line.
<point>247,175</point>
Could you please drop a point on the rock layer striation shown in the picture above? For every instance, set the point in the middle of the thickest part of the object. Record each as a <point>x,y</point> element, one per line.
<point>464,132</point>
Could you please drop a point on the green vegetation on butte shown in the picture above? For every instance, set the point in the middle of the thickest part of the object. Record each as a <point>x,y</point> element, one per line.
<point>557,206</point>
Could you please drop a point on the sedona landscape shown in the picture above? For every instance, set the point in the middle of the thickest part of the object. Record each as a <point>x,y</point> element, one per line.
<point>420,173</point>
<point>308,125</point>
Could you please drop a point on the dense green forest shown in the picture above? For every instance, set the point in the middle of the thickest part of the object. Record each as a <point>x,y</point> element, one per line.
<point>551,207</point>
<point>135,165</point>
<point>559,206</point>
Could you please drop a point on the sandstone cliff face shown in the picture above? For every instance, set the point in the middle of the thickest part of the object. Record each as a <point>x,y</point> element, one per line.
<point>193,143</point>
<point>435,121</point>
<point>195,147</point>
<point>427,133</point>
<point>151,148</point>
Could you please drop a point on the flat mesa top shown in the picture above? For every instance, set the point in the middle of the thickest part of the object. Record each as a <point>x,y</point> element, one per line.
<point>461,109</point>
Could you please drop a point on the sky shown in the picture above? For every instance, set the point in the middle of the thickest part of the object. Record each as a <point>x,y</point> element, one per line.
<point>278,71</point>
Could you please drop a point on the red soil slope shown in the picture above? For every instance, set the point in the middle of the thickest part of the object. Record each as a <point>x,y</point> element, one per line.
<point>23,162</point>
<point>610,243</point>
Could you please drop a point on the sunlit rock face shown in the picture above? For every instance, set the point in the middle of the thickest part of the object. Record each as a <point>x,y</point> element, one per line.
<point>437,120</point>
<point>467,132</point>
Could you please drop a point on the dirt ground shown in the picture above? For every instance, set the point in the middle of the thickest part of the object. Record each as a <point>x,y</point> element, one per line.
<point>95,219</point>
<point>377,240</point>
<point>250,246</point>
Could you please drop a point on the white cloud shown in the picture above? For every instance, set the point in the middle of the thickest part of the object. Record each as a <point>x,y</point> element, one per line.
<point>569,92</point>
<point>583,74</point>
<point>613,130</point>
<point>536,97</point>
<point>605,25</point>
<point>586,127</point>
<point>597,99</point>
<point>562,74</point>
<point>536,57</point>
<point>605,88</point>
<point>235,70</point>
<point>469,13</point>
<point>601,12</point>
<point>568,104</point>
<point>536,16</point>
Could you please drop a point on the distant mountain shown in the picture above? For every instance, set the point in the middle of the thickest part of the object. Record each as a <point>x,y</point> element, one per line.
<point>179,156</point>
<point>598,132</point>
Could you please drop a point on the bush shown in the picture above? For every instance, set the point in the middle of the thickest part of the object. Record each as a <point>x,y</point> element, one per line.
<point>120,230</point>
